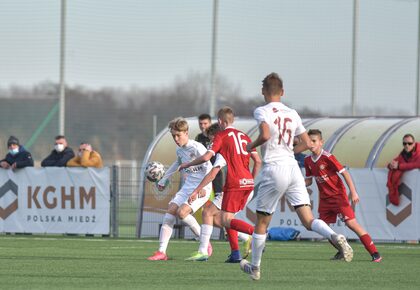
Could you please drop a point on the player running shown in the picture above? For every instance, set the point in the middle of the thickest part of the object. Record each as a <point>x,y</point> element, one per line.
<point>333,200</point>
<point>212,215</point>
<point>278,125</point>
<point>231,144</point>
<point>179,207</point>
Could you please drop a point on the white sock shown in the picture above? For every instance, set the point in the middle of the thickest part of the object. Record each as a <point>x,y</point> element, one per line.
<point>320,227</point>
<point>166,231</point>
<point>206,231</point>
<point>243,237</point>
<point>190,221</point>
<point>258,244</point>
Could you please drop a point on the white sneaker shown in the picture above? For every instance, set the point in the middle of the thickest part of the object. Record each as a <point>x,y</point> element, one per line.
<point>254,272</point>
<point>346,250</point>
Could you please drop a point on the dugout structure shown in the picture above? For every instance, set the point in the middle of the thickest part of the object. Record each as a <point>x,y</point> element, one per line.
<point>362,142</point>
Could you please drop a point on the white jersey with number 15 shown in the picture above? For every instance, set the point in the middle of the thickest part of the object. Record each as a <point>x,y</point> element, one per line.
<point>284,124</point>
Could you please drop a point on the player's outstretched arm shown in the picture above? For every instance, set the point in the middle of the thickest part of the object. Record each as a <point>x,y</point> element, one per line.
<point>171,170</point>
<point>206,180</point>
<point>263,136</point>
<point>353,194</point>
<point>203,158</point>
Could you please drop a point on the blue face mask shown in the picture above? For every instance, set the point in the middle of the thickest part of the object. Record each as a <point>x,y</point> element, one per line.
<point>14,151</point>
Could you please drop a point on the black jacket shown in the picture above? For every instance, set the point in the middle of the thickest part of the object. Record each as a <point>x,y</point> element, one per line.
<point>23,158</point>
<point>218,180</point>
<point>58,159</point>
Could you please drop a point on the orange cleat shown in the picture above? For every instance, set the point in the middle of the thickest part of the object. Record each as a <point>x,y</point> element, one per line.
<point>158,256</point>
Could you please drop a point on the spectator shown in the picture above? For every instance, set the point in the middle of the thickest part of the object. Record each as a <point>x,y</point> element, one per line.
<point>408,159</point>
<point>86,157</point>
<point>204,122</point>
<point>60,155</point>
<point>18,156</point>
<point>300,157</point>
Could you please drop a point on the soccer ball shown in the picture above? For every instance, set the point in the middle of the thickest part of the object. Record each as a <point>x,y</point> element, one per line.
<point>154,171</point>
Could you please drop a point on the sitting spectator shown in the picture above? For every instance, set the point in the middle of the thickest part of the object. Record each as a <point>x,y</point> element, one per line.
<point>60,155</point>
<point>408,159</point>
<point>17,157</point>
<point>86,157</point>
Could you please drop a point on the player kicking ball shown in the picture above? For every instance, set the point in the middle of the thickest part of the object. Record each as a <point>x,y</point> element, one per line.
<point>333,200</point>
<point>280,174</point>
<point>212,215</point>
<point>231,144</point>
<point>179,207</point>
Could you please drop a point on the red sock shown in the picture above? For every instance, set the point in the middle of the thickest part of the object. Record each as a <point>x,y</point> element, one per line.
<point>233,239</point>
<point>241,226</point>
<point>369,245</point>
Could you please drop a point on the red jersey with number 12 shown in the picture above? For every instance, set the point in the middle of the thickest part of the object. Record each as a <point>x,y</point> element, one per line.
<point>231,144</point>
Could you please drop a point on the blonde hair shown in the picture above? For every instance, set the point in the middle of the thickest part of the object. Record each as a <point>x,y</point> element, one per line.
<point>226,115</point>
<point>178,124</point>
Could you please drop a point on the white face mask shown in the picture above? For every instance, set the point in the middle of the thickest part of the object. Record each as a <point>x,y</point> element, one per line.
<point>14,151</point>
<point>59,147</point>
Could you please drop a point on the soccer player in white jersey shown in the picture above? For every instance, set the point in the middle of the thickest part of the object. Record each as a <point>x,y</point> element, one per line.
<point>278,125</point>
<point>186,151</point>
<point>212,215</point>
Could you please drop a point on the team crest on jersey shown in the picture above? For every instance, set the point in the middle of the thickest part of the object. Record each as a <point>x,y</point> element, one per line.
<point>322,167</point>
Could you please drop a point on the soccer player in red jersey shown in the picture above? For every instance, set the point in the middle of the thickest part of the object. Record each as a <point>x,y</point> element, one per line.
<point>333,200</point>
<point>231,144</point>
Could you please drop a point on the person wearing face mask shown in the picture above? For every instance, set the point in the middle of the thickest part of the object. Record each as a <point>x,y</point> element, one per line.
<point>18,156</point>
<point>86,157</point>
<point>60,155</point>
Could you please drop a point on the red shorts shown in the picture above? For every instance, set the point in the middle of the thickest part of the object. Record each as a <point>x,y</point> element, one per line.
<point>235,200</point>
<point>329,215</point>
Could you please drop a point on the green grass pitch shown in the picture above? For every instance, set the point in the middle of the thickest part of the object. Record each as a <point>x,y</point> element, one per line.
<point>96,263</point>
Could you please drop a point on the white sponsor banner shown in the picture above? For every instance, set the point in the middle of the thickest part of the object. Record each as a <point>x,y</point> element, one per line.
<point>382,220</point>
<point>55,200</point>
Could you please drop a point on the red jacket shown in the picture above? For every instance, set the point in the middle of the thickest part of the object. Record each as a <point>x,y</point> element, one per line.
<point>411,163</point>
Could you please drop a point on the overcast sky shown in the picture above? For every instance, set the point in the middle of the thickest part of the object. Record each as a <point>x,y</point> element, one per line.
<point>149,43</point>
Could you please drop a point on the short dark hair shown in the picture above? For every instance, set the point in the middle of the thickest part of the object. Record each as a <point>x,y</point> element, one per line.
<point>272,84</point>
<point>315,132</point>
<point>213,129</point>
<point>409,135</point>
<point>58,137</point>
<point>204,117</point>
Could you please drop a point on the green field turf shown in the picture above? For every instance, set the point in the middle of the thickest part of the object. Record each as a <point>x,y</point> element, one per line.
<point>95,263</point>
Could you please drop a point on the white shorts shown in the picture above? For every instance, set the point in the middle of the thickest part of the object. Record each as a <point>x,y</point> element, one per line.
<point>217,201</point>
<point>275,180</point>
<point>181,197</point>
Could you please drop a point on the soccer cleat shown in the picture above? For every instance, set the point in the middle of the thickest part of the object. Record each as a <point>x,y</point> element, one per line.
<point>158,256</point>
<point>247,248</point>
<point>338,256</point>
<point>234,257</point>
<point>198,257</point>
<point>347,251</point>
<point>209,250</point>
<point>254,272</point>
<point>376,257</point>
